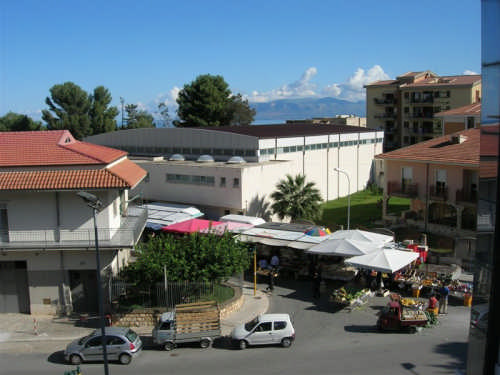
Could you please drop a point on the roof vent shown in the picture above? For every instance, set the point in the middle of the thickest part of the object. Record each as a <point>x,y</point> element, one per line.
<point>176,157</point>
<point>457,139</point>
<point>205,159</point>
<point>236,160</point>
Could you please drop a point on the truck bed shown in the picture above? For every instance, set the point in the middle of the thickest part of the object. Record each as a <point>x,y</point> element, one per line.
<point>192,319</point>
<point>413,317</point>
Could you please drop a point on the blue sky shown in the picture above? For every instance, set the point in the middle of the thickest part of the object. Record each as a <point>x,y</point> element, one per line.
<point>145,50</point>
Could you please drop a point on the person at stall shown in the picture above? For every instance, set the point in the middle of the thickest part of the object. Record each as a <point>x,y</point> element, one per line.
<point>263,265</point>
<point>433,305</point>
<point>275,261</point>
<point>444,292</point>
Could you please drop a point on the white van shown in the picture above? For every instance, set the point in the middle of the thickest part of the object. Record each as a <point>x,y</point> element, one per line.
<point>265,329</point>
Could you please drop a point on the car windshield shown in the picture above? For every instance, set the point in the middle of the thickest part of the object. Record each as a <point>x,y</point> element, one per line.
<point>131,335</point>
<point>83,339</point>
<point>250,325</point>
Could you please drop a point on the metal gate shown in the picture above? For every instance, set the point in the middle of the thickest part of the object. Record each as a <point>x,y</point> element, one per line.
<point>14,294</point>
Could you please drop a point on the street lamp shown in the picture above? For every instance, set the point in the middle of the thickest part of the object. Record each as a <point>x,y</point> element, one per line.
<point>348,194</point>
<point>96,205</point>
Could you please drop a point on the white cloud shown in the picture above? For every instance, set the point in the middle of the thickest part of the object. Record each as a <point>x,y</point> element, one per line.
<point>303,87</point>
<point>468,72</point>
<point>352,89</point>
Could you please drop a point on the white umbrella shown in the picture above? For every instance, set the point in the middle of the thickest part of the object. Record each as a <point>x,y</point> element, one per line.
<point>344,247</point>
<point>361,235</point>
<point>388,260</point>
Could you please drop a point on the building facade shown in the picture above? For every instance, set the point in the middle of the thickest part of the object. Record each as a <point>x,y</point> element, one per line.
<point>458,119</point>
<point>441,177</point>
<point>233,170</point>
<point>404,108</point>
<point>47,244</point>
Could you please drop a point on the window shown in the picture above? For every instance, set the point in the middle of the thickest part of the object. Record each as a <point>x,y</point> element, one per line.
<point>279,325</point>
<point>300,148</point>
<point>440,180</point>
<point>114,340</point>
<point>186,150</point>
<point>406,177</point>
<point>470,122</point>
<point>196,151</point>
<point>254,152</point>
<point>407,109</point>
<point>264,327</point>
<point>223,182</point>
<point>228,152</point>
<point>406,139</point>
<point>406,124</point>
<point>293,148</point>
<point>286,149</point>
<point>96,341</point>
<point>165,326</point>
<point>236,182</point>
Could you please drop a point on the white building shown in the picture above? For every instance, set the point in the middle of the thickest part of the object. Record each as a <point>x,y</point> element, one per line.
<point>47,247</point>
<point>240,166</point>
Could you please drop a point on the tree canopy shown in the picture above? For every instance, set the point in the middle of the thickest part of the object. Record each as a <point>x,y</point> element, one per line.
<point>137,118</point>
<point>207,101</point>
<point>72,108</point>
<point>194,258</point>
<point>15,122</point>
<point>296,199</point>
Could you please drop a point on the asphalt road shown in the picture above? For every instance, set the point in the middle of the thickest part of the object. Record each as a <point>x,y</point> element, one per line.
<point>327,342</point>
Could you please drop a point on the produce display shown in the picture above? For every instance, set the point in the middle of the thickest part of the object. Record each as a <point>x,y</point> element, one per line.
<point>408,302</point>
<point>413,315</point>
<point>346,295</point>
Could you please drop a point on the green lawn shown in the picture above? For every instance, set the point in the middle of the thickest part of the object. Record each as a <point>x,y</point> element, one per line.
<point>364,210</point>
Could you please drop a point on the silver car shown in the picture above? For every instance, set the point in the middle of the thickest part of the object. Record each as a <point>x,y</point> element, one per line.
<point>122,345</point>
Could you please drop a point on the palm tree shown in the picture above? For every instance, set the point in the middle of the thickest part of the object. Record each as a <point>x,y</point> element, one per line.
<point>296,199</point>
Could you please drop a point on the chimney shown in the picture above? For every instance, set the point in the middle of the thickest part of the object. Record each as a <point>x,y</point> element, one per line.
<point>457,139</point>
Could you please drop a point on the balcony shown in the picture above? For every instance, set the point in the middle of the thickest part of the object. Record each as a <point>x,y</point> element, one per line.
<point>465,196</point>
<point>126,236</point>
<point>407,190</point>
<point>420,115</point>
<point>438,193</point>
<point>385,101</point>
<point>425,99</point>
<point>386,115</point>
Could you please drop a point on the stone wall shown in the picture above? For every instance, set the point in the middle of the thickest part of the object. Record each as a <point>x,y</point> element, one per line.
<point>148,317</point>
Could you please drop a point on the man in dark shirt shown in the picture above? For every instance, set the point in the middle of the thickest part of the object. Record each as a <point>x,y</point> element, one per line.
<point>443,299</point>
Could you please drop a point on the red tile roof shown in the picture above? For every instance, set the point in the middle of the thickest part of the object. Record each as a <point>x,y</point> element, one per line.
<point>441,150</point>
<point>473,109</point>
<point>125,174</point>
<point>465,80</point>
<point>50,148</point>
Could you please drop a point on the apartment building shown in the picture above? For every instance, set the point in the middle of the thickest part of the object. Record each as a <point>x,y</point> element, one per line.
<point>47,238</point>
<point>441,177</point>
<point>233,170</point>
<point>405,107</point>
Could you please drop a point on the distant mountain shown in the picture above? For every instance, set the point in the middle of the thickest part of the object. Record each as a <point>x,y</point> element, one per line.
<point>297,109</point>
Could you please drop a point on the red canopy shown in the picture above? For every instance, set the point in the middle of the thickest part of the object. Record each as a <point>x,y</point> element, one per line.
<point>190,226</point>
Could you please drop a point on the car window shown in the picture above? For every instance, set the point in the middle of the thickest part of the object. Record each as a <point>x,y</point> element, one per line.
<point>83,339</point>
<point>96,341</point>
<point>484,318</point>
<point>263,327</point>
<point>279,325</point>
<point>114,340</point>
<point>249,326</point>
<point>131,335</point>
<point>165,326</point>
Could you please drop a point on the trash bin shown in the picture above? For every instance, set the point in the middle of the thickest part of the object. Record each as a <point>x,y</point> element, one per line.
<point>467,300</point>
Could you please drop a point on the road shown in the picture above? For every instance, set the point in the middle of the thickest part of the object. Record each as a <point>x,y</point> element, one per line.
<point>327,342</point>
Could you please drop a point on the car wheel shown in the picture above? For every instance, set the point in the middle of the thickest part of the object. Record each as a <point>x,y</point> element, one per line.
<point>243,344</point>
<point>168,346</point>
<point>286,342</point>
<point>205,343</point>
<point>125,359</point>
<point>75,359</point>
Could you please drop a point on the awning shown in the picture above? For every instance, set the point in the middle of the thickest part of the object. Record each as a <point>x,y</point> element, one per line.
<point>191,226</point>
<point>276,237</point>
<point>361,235</point>
<point>344,247</point>
<point>252,220</point>
<point>164,214</point>
<point>388,261</point>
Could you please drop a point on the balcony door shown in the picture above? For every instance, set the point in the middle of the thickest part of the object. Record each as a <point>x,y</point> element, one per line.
<point>406,178</point>
<point>4,224</point>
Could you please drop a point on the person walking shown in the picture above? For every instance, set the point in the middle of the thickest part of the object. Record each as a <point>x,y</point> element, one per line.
<point>316,284</point>
<point>444,292</point>
<point>270,286</point>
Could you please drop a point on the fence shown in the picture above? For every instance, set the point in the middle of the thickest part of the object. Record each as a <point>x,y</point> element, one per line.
<point>165,295</point>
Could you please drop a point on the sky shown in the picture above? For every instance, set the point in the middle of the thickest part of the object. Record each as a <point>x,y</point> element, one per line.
<point>146,51</point>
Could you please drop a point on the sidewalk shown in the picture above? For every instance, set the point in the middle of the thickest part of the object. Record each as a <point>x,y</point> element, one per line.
<point>19,328</point>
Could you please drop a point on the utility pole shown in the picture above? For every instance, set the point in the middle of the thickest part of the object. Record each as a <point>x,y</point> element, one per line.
<point>123,102</point>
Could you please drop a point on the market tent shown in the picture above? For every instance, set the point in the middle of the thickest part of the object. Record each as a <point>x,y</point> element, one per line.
<point>227,226</point>
<point>191,226</point>
<point>344,247</point>
<point>361,235</point>
<point>277,237</point>
<point>252,220</point>
<point>387,260</point>
<point>164,214</point>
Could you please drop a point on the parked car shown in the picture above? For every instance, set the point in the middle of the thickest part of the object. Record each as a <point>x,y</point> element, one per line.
<point>479,316</point>
<point>122,345</point>
<point>265,329</point>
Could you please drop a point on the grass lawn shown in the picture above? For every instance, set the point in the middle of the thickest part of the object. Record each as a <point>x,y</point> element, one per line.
<point>364,210</point>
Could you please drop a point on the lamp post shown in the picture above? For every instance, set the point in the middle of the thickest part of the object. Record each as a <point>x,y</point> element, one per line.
<point>348,194</point>
<point>96,205</point>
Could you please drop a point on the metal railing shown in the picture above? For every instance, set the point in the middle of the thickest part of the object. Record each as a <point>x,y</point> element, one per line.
<point>466,196</point>
<point>438,192</point>
<point>125,236</point>
<point>385,101</point>
<point>406,190</point>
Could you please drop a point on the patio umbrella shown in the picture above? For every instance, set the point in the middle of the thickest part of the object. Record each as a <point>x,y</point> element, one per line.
<point>387,260</point>
<point>317,232</point>
<point>361,235</point>
<point>344,247</point>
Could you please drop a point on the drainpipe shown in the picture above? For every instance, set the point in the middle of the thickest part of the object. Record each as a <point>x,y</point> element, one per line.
<point>426,216</point>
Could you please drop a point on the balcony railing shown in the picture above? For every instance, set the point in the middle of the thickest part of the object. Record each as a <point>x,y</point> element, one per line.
<point>385,101</point>
<point>386,115</point>
<point>422,100</point>
<point>406,190</point>
<point>466,196</point>
<point>126,236</point>
<point>420,115</point>
<point>438,192</point>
